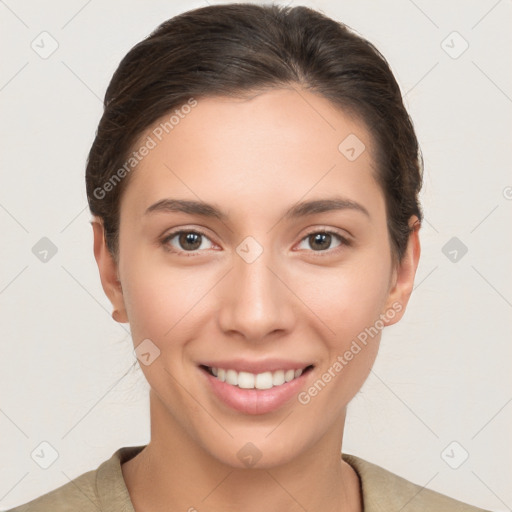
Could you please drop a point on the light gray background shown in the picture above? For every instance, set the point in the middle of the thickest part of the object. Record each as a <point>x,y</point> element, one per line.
<point>442,374</point>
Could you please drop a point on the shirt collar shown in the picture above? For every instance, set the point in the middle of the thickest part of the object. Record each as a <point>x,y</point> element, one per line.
<point>114,497</point>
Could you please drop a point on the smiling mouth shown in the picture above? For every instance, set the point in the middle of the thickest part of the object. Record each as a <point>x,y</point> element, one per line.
<point>247,380</point>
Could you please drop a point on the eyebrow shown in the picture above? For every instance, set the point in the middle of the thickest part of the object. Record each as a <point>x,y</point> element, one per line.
<point>301,209</point>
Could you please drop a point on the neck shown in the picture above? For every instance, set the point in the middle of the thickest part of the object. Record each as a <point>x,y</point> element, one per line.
<point>174,473</point>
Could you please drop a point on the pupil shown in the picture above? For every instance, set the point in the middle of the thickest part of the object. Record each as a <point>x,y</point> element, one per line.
<point>188,238</point>
<point>321,237</point>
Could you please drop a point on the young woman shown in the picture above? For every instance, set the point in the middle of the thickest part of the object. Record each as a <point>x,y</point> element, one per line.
<point>254,187</point>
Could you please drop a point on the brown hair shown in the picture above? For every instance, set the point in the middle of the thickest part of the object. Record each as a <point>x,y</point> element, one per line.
<point>238,49</point>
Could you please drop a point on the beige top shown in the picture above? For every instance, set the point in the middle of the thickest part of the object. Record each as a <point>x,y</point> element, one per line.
<point>104,490</point>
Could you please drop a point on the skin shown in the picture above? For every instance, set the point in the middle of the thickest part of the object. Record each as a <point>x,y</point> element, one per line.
<point>253,159</point>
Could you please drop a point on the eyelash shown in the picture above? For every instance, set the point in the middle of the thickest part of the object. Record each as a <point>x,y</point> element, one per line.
<point>165,242</point>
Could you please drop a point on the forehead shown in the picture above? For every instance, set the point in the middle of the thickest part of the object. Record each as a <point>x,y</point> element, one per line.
<point>273,148</point>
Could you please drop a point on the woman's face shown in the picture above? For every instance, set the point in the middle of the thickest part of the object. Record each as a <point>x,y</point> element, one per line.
<point>254,290</point>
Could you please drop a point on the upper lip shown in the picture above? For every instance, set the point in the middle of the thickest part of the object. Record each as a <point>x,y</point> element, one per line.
<point>267,365</point>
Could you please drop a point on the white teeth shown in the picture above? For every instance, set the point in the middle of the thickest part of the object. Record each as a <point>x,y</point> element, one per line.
<point>247,380</point>
<point>278,378</point>
<point>232,377</point>
<point>289,375</point>
<point>263,381</point>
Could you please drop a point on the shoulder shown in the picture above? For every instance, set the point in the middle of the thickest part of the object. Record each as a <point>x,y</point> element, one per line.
<point>384,491</point>
<point>101,489</point>
<point>78,494</point>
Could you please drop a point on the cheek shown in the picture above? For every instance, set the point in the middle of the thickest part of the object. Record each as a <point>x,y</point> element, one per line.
<point>163,301</point>
<point>156,301</point>
<point>346,299</point>
<point>350,298</point>
<point>349,302</point>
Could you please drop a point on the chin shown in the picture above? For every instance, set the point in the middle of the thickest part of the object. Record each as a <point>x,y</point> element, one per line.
<point>259,450</point>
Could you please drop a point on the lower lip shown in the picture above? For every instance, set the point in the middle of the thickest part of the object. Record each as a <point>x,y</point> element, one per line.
<point>255,401</point>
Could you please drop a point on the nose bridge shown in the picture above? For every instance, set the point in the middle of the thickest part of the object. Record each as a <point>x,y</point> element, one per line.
<point>257,302</point>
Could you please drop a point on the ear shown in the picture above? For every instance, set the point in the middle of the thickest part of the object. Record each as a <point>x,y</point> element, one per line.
<point>402,281</point>
<point>108,272</point>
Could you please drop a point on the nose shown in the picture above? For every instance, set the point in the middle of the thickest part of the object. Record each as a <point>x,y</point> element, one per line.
<point>256,300</point>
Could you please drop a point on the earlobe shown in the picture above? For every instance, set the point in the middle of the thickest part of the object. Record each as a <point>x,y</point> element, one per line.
<point>108,272</point>
<point>404,274</point>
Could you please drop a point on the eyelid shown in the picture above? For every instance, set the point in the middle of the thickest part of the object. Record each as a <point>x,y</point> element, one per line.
<point>344,240</point>
<point>170,235</point>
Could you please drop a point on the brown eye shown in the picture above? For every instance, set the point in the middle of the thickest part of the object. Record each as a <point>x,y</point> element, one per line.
<point>320,241</point>
<point>189,241</point>
<point>185,241</point>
